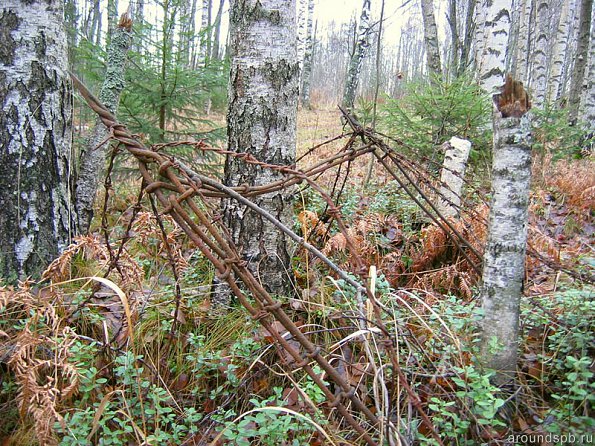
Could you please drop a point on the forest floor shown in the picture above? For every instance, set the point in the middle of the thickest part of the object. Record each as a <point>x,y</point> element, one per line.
<point>72,373</point>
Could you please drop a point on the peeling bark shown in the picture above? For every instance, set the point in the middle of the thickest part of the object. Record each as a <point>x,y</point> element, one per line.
<point>37,219</point>
<point>261,120</point>
<point>92,161</point>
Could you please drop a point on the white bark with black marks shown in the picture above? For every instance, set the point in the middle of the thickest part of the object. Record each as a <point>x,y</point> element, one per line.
<point>261,120</point>
<point>504,258</point>
<point>217,32</point>
<point>431,38</point>
<point>540,52</point>
<point>559,50</point>
<point>453,175</point>
<point>309,54</point>
<point>205,23</point>
<point>580,62</point>
<point>492,49</point>
<point>355,65</point>
<point>588,112</point>
<point>37,218</point>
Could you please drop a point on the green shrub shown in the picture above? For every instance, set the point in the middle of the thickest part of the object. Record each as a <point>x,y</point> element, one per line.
<point>430,114</point>
<point>553,133</point>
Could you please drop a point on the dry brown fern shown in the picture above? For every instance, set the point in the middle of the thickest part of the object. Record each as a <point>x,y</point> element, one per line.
<point>91,248</point>
<point>38,356</point>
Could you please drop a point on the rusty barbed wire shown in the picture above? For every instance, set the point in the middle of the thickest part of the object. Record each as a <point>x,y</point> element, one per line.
<point>224,256</point>
<point>176,186</point>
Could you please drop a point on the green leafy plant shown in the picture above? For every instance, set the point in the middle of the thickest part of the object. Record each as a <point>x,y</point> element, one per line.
<point>269,427</point>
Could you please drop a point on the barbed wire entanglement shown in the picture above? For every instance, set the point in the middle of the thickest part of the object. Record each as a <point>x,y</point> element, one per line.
<point>175,189</point>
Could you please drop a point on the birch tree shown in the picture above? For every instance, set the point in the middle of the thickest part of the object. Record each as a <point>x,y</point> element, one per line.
<point>37,219</point>
<point>355,64</point>
<point>503,270</point>
<point>261,120</point>
<point>452,176</point>
<point>92,159</point>
<point>468,39</point>
<point>560,47</point>
<point>308,56</point>
<point>580,62</point>
<point>588,114</point>
<point>540,62</point>
<point>570,55</point>
<point>431,38</point>
<point>492,48</point>
<point>504,258</point>
<point>205,23</point>
<point>302,24</point>
<point>521,36</point>
<point>217,31</point>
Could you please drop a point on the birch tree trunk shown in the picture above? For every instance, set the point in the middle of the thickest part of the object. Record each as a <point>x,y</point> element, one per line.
<point>580,62</point>
<point>493,47</point>
<point>431,38</point>
<point>570,56</point>
<point>355,65</point>
<point>37,219</point>
<point>588,112</point>
<point>204,25</point>
<point>217,32</point>
<point>521,35</point>
<point>504,259</point>
<point>302,25</point>
<point>540,63</point>
<point>261,120</point>
<point>559,52</point>
<point>467,41</point>
<point>112,18</point>
<point>92,160</point>
<point>452,176</point>
<point>479,35</point>
<point>308,56</point>
<point>93,19</point>
<point>187,33</point>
